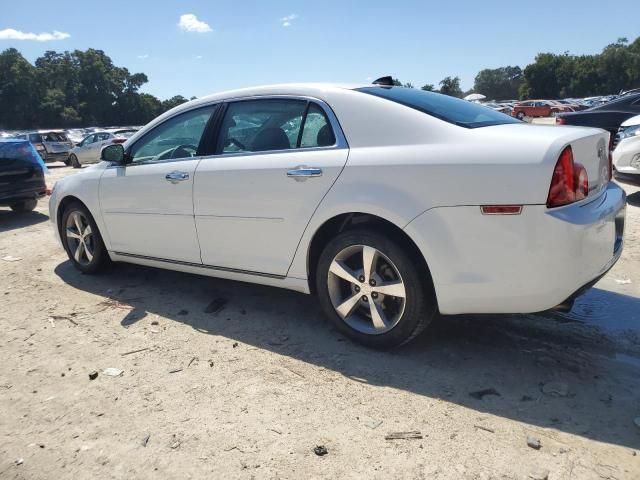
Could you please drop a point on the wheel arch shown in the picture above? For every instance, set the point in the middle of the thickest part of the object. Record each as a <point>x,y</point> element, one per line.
<point>62,205</point>
<point>352,220</point>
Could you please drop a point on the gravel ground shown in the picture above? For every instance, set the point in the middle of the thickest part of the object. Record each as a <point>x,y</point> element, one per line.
<point>252,390</point>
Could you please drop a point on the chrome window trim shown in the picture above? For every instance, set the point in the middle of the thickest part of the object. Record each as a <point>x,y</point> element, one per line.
<point>341,140</point>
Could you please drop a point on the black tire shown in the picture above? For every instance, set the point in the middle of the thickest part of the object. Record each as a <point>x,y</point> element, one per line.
<point>73,161</point>
<point>100,260</point>
<point>25,205</point>
<point>520,115</point>
<point>420,303</point>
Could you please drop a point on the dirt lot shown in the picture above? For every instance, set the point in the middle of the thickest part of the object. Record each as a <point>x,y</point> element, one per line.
<point>250,391</point>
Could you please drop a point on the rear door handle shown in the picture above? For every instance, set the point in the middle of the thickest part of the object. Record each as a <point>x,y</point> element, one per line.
<point>175,177</point>
<point>303,172</point>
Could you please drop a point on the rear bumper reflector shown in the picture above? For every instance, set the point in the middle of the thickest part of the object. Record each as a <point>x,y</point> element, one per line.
<point>501,209</point>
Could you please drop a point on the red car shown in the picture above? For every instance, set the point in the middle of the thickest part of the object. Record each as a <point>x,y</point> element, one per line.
<point>539,108</point>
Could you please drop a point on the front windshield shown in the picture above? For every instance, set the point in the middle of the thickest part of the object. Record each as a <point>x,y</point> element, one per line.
<point>450,109</point>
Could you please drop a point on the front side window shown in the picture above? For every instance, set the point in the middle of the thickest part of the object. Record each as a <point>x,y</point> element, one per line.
<point>176,138</point>
<point>261,125</point>
<point>88,140</point>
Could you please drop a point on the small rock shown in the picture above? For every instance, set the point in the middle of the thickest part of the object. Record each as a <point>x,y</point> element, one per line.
<point>556,389</point>
<point>145,440</point>
<point>534,443</point>
<point>480,394</point>
<point>235,344</point>
<point>20,461</point>
<point>211,363</point>
<point>112,372</point>
<point>539,474</point>
<point>155,322</point>
<point>320,450</point>
<point>93,375</point>
<point>11,258</point>
<point>216,305</point>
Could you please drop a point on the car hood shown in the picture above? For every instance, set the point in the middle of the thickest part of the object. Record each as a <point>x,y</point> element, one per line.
<point>630,122</point>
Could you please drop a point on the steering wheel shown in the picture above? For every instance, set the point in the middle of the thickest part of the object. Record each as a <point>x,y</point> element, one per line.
<point>183,151</point>
<point>235,142</point>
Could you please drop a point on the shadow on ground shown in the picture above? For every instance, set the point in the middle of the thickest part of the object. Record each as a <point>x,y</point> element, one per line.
<point>10,220</point>
<point>515,355</point>
<point>634,199</point>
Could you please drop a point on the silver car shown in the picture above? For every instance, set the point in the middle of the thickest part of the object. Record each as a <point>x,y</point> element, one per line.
<point>88,150</point>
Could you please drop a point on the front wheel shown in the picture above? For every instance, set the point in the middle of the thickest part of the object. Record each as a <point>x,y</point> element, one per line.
<point>520,115</point>
<point>73,160</point>
<point>82,239</point>
<point>372,291</point>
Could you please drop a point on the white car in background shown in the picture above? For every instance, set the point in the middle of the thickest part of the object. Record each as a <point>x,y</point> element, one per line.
<point>626,152</point>
<point>388,203</point>
<point>89,149</point>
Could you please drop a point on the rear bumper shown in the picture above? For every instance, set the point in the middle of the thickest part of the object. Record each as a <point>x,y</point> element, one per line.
<point>11,197</point>
<point>519,263</point>
<point>55,157</point>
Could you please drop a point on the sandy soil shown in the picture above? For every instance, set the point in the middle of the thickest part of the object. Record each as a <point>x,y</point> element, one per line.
<point>252,390</point>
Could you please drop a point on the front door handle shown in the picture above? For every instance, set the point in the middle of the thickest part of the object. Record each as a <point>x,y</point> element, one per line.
<point>175,177</point>
<point>302,172</point>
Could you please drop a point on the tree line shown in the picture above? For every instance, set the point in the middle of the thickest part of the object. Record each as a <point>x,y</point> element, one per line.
<point>70,89</point>
<point>83,88</point>
<point>552,76</point>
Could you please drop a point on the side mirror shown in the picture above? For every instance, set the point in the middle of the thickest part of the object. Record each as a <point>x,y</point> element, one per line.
<point>113,153</point>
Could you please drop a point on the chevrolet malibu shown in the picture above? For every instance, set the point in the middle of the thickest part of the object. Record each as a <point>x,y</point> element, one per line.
<point>390,204</point>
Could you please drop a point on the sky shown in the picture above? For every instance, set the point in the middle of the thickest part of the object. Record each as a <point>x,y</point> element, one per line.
<point>197,47</point>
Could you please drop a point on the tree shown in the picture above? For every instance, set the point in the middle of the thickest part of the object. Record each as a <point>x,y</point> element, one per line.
<point>428,87</point>
<point>19,91</point>
<point>499,83</point>
<point>451,86</point>
<point>173,102</point>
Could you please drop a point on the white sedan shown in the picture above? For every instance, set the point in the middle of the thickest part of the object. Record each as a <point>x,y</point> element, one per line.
<point>90,148</point>
<point>388,203</point>
<point>626,152</point>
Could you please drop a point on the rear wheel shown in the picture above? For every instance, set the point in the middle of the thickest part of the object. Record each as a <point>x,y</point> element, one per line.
<point>520,115</point>
<point>25,205</point>
<point>372,291</point>
<point>73,160</point>
<point>82,239</point>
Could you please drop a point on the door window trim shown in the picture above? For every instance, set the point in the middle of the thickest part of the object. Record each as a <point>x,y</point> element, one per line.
<point>340,143</point>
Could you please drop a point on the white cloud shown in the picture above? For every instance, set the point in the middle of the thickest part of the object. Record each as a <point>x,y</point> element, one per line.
<point>198,57</point>
<point>11,34</point>
<point>286,21</point>
<point>190,23</point>
<point>146,55</point>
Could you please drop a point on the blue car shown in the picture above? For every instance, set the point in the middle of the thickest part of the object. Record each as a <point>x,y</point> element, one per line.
<point>21,175</point>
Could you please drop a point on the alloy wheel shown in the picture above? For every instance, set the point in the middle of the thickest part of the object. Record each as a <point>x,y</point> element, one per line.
<point>80,238</point>
<point>366,289</point>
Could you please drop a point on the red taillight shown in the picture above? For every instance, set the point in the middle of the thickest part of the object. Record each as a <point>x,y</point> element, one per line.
<point>560,121</point>
<point>569,183</point>
<point>118,140</point>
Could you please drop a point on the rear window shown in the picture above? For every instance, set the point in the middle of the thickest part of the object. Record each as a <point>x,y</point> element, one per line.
<point>450,109</point>
<point>55,137</point>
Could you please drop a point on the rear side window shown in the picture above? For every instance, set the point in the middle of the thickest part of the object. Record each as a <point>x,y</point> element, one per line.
<point>261,125</point>
<point>317,131</point>
<point>446,108</point>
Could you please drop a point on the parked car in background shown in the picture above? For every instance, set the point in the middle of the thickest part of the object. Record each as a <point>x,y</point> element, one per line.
<point>76,135</point>
<point>53,146</point>
<point>88,150</point>
<point>608,116</point>
<point>502,108</point>
<point>538,108</point>
<point>379,199</point>
<point>21,175</point>
<point>626,147</point>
